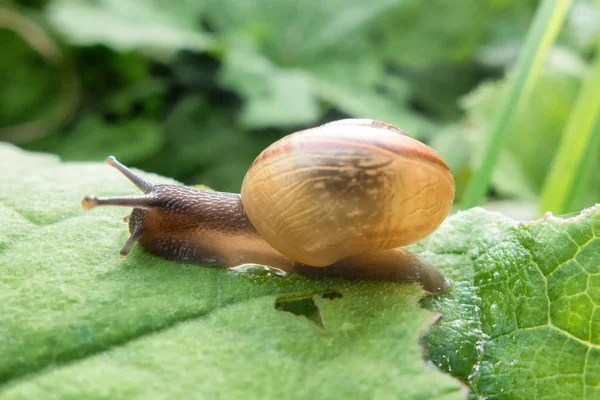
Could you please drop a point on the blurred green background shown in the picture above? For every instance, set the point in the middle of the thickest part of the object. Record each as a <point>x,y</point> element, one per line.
<point>195,89</point>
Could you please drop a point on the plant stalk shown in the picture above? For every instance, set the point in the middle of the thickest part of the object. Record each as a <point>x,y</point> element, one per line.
<point>578,144</point>
<point>540,38</point>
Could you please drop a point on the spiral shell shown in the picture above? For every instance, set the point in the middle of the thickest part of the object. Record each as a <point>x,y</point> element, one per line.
<point>346,188</point>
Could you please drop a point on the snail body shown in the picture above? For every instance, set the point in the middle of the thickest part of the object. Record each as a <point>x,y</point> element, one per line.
<point>336,200</point>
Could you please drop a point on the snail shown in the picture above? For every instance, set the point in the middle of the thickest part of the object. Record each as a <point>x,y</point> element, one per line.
<point>340,199</point>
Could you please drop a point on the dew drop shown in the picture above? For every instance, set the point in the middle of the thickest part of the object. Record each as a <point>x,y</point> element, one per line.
<point>479,349</point>
<point>497,366</point>
<point>474,373</point>
<point>259,270</point>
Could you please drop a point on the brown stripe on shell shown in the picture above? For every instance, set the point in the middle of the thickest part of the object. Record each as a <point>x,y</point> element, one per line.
<point>403,146</point>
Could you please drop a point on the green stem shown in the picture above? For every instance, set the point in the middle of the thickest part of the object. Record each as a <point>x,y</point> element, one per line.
<point>542,34</point>
<point>574,155</point>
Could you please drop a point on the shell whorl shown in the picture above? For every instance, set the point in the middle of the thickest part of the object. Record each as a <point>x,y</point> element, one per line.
<point>344,189</point>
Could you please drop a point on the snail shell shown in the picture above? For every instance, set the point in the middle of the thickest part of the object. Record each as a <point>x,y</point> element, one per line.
<point>346,188</point>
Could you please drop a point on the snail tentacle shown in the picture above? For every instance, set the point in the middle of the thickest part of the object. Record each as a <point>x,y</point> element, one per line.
<point>133,238</point>
<point>146,202</point>
<point>144,185</point>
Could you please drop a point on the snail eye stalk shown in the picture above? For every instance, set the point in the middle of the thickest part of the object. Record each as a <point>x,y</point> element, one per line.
<point>146,202</point>
<point>137,180</point>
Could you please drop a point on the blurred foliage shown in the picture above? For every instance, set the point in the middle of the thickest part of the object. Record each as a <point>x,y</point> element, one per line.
<point>196,89</point>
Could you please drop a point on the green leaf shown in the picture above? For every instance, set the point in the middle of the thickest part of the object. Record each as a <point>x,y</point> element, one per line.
<point>292,63</point>
<point>366,91</point>
<point>78,321</point>
<point>94,138</point>
<point>289,97</point>
<point>155,26</point>
<point>297,33</point>
<point>422,34</point>
<point>523,321</point>
<point>274,96</point>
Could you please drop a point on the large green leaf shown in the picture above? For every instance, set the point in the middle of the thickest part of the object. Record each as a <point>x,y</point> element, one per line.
<point>300,95</point>
<point>292,62</point>
<point>77,321</point>
<point>156,26</point>
<point>295,33</point>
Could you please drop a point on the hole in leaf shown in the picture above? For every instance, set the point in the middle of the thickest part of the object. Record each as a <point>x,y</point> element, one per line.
<point>305,306</point>
<point>332,295</point>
